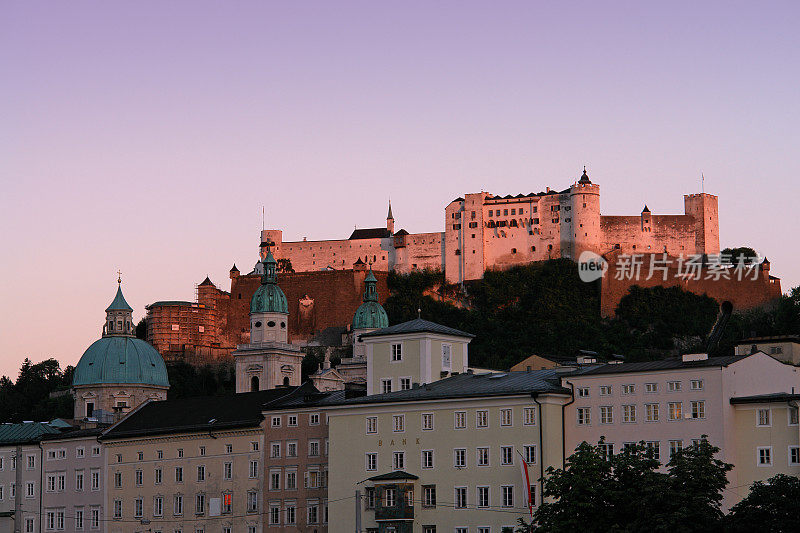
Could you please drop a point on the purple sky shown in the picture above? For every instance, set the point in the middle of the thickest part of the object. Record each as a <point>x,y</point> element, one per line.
<point>145,136</point>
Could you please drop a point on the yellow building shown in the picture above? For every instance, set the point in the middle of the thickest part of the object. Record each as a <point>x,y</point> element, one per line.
<point>188,466</point>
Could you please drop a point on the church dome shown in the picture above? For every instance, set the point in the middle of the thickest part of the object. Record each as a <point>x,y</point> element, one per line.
<point>370,314</point>
<point>269,298</point>
<point>121,359</point>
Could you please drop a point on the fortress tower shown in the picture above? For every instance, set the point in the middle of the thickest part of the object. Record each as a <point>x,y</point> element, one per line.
<point>584,218</point>
<point>704,208</point>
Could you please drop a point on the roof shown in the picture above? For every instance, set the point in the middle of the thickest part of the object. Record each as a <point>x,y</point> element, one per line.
<point>24,432</point>
<point>666,364</point>
<point>370,315</point>
<point>73,433</point>
<point>206,281</point>
<point>467,386</point>
<point>400,233</point>
<point>234,269</point>
<point>370,233</point>
<point>774,338</point>
<point>173,303</point>
<point>205,413</point>
<point>120,359</point>
<point>775,397</point>
<point>418,325</point>
<point>396,475</point>
<point>119,303</point>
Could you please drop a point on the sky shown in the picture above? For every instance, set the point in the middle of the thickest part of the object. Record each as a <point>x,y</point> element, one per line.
<point>146,136</point>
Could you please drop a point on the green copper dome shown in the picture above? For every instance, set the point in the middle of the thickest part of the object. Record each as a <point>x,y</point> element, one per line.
<point>121,359</point>
<point>269,298</point>
<point>370,314</point>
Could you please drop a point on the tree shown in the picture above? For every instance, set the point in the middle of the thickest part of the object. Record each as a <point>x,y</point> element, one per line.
<point>626,492</point>
<point>733,255</point>
<point>770,506</point>
<point>141,329</point>
<point>285,266</point>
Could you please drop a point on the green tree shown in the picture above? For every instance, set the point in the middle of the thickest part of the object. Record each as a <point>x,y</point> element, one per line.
<point>141,329</point>
<point>770,506</point>
<point>733,255</point>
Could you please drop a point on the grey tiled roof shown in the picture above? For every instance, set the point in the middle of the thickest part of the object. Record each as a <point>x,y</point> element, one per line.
<point>775,397</point>
<point>418,325</point>
<point>24,432</point>
<point>665,364</point>
<point>370,233</point>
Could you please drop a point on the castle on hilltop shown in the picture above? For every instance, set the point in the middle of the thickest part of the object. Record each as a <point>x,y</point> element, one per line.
<point>483,231</point>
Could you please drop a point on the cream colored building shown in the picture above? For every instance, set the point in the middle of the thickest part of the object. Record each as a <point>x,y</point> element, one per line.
<point>670,404</point>
<point>784,348</point>
<point>444,455</point>
<point>414,352</point>
<point>188,465</point>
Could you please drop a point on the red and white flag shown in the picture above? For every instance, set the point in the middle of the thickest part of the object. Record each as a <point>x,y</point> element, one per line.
<point>526,480</point>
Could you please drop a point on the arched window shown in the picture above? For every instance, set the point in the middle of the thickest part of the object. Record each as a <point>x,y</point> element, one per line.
<point>254,384</point>
<point>286,381</point>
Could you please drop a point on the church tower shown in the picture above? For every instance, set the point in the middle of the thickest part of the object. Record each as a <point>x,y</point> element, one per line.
<point>369,316</point>
<point>269,360</point>
<point>390,220</point>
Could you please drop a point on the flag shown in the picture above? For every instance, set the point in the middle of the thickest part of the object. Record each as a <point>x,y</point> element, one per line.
<point>526,480</point>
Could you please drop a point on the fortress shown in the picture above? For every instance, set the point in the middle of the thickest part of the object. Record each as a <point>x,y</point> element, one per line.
<point>483,232</point>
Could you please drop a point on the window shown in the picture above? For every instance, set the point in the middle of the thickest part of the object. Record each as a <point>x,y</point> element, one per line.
<point>274,514</point>
<point>607,449</point>
<point>653,449</point>
<point>673,386</point>
<point>95,479</point>
<point>764,418</point>
<point>460,458</point>
<point>252,502</point>
<point>427,421</point>
<point>793,419</point>
<point>227,471</point>
<point>482,456</point>
<point>31,462</point>
<point>291,480</point>
<point>201,473</point>
<point>227,503</point>
<point>605,390</point>
<point>372,462</point>
<point>78,518</point>
<point>291,449</point>
<point>794,455</point>
<point>138,478</point>
<point>117,508</point>
<point>30,489</point>
<point>253,469</point>
<point>446,357</point>
<point>629,414</point>
<point>158,506</point>
<point>584,416</point>
<point>157,475</point>
<point>369,498</point>
<point>697,384</point>
<point>386,385</point>
<point>276,421</point>
<point>483,497</point>
<point>313,419</point>
<point>506,418</point>
<point>399,461</point>
<point>180,453</point>
<point>291,420</point>
<point>397,352</point>
<point>275,450</point>
<point>629,389</point>
<point>79,453</point>
<point>313,448</point>
<point>461,497</point>
<point>650,388</point>
<point>138,507</point>
<point>764,456</point>
<point>675,410</point>
<point>313,513</point>
<point>508,495</point>
<point>390,497</point>
<point>254,446</point>
<point>177,505</point>
<point>78,481</point>
<point>117,480</point>
<point>399,423</point>
<point>460,420</point>
<point>529,453</point>
<point>427,459</point>
<point>529,416</point>
<point>506,455</point>
<point>482,419</point>
<point>606,414</point>
<point>200,504</point>
<point>698,409</point>
<point>583,392</point>
<point>29,525</point>
<point>674,447</point>
<point>651,412</point>
<point>429,495</point>
<point>140,455</point>
<point>95,518</point>
<point>405,383</point>
<point>178,474</point>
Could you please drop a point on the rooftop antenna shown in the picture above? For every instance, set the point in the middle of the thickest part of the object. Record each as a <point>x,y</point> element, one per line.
<point>263,218</point>
<point>702,182</point>
<point>419,312</point>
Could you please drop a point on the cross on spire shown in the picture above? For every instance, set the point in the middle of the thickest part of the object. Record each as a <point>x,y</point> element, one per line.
<point>119,277</point>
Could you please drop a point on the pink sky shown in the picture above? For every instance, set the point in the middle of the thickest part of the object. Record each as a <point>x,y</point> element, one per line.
<point>145,136</point>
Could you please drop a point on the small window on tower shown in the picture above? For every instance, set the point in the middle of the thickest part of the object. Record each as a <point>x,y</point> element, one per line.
<point>283,325</point>
<point>258,324</point>
<point>271,324</point>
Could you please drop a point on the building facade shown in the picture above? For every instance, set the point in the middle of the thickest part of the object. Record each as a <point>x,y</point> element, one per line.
<point>784,348</point>
<point>672,403</point>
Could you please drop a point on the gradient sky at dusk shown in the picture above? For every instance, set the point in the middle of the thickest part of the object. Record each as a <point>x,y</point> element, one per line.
<point>145,136</point>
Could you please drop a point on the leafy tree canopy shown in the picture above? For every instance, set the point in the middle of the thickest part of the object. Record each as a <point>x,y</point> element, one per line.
<point>770,506</point>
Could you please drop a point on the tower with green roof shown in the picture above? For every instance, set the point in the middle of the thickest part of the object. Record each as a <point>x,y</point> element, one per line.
<point>369,316</point>
<point>118,371</point>
<point>269,360</point>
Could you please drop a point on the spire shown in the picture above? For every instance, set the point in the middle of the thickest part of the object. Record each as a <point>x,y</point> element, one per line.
<point>270,275</point>
<point>645,210</point>
<point>584,177</point>
<point>119,303</point>
<point>389,216</point>
<point>370,292</point>
<point>390,219</point>
<point>119,315</point>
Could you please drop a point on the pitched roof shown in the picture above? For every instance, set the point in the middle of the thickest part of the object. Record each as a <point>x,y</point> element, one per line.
<point>24,432</point>
<point>206,281</point>
<point>775,397</point>
<point>666,364</point>
<point>396,475</point>
<point>370,233</point>
<point>418,325</point>
<point>205,413</point>
<point>73,433</point>
<point>119,303</point>
<point>466,386</point>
